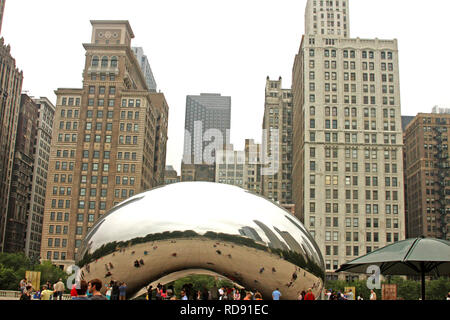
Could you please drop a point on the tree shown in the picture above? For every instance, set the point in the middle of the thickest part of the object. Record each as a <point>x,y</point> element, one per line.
<point>13,267</point>
<point>9,279</point>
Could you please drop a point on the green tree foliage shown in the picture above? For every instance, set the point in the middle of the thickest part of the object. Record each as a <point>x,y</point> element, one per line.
<point>199,282</point>
<point>51,273</point>
<point>13,267</point>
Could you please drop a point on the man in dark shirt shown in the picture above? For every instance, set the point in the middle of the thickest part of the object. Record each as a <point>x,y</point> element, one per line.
<point>94,287</point>
<point>115,291</point>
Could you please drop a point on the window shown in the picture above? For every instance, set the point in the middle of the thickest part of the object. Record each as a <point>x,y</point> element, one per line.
<point>104,62</point>
<point>114,62</point>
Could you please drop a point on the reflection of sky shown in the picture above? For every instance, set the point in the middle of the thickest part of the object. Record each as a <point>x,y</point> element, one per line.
<point>200,207</point>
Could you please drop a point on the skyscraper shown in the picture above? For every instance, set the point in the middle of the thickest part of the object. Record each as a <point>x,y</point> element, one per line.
<point>277,185</point>
<point>426,172</point>
<point>21,182</point>
<point>145,67</point>
<point>41,157</point>
<point>240,168</point>
<point>108,141</point>
<point>11,87</point>
<point>207,115</point>
<point>347,163</point>
<point>2,10</point>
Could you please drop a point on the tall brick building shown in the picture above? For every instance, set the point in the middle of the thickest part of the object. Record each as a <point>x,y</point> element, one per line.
<point>21,182</point>
<point>427,173</point>
<point>109,141</point>
<point>278,116</point>
<point>10,88</point>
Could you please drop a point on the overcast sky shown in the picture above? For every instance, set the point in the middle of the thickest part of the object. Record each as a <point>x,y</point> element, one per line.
<point>227,47</point>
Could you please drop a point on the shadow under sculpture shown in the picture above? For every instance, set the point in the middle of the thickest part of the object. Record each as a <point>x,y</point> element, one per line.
<point>203,226</point>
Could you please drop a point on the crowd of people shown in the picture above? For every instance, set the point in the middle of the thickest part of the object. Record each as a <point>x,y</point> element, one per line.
<point>116,290</point>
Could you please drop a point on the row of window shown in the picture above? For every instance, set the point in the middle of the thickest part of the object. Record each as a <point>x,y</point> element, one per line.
<point>105,62</point>
<point>372,112</point>
<point>56,255</point>
<point>366,99</point>
<point>91,205</point>
<point>102,90</point>
<point>57,229</point>
<point>69,113</point>
<point>370,208</point>
<point>352,54</point>
<point>71,101</point>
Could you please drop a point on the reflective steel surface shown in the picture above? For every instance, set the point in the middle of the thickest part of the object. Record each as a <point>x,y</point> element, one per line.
<point>203,226</point>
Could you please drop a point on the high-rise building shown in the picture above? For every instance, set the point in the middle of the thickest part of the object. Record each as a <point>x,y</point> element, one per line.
<point>240,168</point>
<point>21,182</point>
<point>105,145</point>
<point>11,87</point>
<point>2,10</point>
<point>427,172</point>
<point>145,67</point>
<point>41,155</point>
<point>347,162</point>
<point>252,173</point>
<point>159,102</point>
<point>207,116</point>
<point>277,126</point>
<point>230,167</point>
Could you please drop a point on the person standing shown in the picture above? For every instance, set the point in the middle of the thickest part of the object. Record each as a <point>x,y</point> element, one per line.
<point>94,287</point>
<point>237,295</point>
<point>22,285</point>
<point>81,293</point>
<point>149,292</point>
<point>276,294</point>
<point>183,295</point>
<point>310,295</point>
<point>248,296</point>
<point>73,292</point>
<point>123,291</point>
<point>350,295</point>
<point>46,293</point>
<point>26,294</point>
<point>108,292</point>
<point>448,296</point>
<point>373,295</point>
<point>115,291</point>
<point>59,290</point>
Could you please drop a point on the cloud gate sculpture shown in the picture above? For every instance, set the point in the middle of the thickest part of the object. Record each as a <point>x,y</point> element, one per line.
<point>203,226</point>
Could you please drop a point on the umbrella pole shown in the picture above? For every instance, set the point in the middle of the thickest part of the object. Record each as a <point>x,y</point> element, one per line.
<point>423,281</point>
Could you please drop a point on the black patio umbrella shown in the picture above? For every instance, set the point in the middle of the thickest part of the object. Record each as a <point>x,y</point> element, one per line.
<point>424,256</point>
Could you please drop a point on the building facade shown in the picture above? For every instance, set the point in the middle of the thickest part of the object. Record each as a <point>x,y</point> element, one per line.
<point>277,185</point>
<point>10,89</point>
<point>348,161</point>
<point>207,115</point>
<point>21,182</point>
<point>2,10</point>
<point>145,67</point>
<point>41,155</point>
<point>171,175</point>
<point>240,168</point>
<point>427,173</point>
<point>105,145</point>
